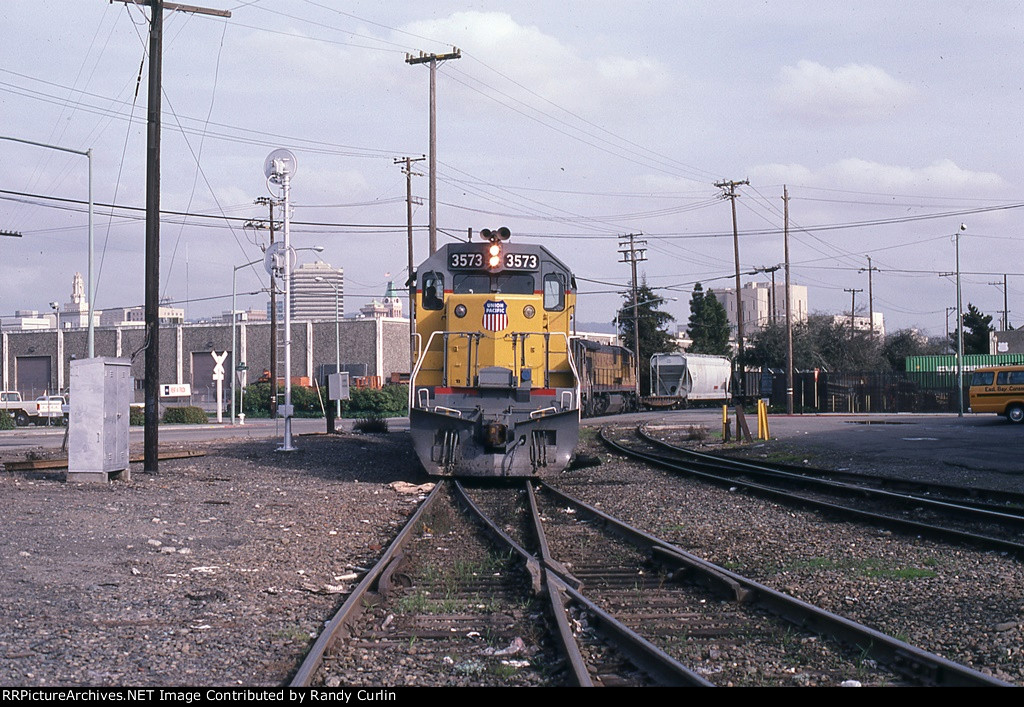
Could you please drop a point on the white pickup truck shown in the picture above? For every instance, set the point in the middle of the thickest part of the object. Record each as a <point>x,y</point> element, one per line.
<point>44,410</point>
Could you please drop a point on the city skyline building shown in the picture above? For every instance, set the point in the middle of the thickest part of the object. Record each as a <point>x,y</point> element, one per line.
<point>313,299</point>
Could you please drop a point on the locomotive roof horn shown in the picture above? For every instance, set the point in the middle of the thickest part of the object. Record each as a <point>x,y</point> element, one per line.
<point>502,234</point>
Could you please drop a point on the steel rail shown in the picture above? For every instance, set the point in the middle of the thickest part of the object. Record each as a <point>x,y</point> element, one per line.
<point>860,514</point>
<point>353,605</point>
<point>567,643</point>
<point>741,466</point>
<point>660,666</point>
<point>898,655</point>
<point>562,590</point>
<point>998,499</point>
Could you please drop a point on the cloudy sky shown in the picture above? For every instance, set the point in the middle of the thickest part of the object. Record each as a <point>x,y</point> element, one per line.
<point>571,123</point>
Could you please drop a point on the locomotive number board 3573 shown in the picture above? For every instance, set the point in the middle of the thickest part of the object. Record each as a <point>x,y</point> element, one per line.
<point>476,260</point>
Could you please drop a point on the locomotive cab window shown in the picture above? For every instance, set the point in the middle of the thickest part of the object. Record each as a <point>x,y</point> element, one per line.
<point>501,283</point>
<point>514,283</point>
<point>465,283</point>
<point>433,290</point>
<point>554,292</point>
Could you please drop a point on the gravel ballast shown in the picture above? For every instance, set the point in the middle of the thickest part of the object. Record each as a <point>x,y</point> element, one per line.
<point>220,570</point>
<point>963,604</point>
<point>217,571</point>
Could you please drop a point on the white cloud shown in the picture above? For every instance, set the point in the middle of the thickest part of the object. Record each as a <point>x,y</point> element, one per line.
<point>854,92</point>
<point>943,176</point>
<point>568,75</point>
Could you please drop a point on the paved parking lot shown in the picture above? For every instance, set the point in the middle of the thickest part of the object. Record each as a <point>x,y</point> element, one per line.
<point>977,445</point>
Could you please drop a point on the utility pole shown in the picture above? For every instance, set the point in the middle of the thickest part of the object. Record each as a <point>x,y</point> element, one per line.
<point>853,307</point>
<point>871,297</point>
<point>432,59</point>
<point>152,299</point>
<point>949,310</point>
<point>789,314</point>
<point>1006,311</point>
<point>411,281</point>
<point>731,194</point>
<point>632,254</point>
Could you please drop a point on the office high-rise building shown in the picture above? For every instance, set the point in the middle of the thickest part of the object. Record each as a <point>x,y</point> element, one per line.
<point>313,300</point>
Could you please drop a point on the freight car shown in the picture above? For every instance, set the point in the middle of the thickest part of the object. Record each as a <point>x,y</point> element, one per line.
<point>679,380</point>
<point>494,391</point>
<point>607,378</point>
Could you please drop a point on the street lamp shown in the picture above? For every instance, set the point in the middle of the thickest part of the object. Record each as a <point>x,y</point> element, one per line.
<point>90,293</point>
<point>234,327</point>
<point>959,329</point>
<point>234,319</point>
<point>337,331</point>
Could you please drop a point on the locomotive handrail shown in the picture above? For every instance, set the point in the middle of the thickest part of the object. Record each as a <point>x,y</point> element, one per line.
<point>543,411</point>
<point>577,388</point>
<point>416,368</point>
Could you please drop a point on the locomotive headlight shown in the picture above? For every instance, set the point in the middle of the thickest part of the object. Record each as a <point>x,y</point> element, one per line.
<point>494,253</point>
<point>529,311</point>
<point>460,310</point>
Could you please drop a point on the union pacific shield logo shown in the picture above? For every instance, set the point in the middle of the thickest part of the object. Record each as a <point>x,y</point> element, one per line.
<point>495,316</point>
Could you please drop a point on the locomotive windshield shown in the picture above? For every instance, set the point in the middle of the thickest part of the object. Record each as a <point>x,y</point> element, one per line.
<point>498,283</point>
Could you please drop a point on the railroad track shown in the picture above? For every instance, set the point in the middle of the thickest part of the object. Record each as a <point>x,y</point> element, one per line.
<point>987,499</point>
<point>620,607</point>
<point>959,521</point>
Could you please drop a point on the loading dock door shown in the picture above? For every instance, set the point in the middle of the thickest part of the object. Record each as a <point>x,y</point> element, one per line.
<point>32,374</point>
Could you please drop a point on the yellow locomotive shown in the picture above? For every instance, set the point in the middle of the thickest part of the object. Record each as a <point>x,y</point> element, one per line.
<point>494,390</point>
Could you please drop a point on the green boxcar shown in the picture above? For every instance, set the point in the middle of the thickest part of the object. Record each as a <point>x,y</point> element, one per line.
<point>946,363</point>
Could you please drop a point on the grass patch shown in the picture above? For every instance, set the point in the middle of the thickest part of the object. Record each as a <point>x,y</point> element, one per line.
<point>293,633</point>
<point>875,569</point>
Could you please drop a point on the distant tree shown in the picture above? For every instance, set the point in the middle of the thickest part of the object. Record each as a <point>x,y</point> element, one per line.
<point>907,342</point>
<point>653,329</point>
<point>708,326</point>
<point>977,327</point>
<point>819,342</point>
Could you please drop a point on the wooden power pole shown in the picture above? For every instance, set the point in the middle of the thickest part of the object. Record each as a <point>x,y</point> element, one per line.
<point>432,60</point>
<point>152,299</point>
<point>632,254</point>
<point>730,193</point>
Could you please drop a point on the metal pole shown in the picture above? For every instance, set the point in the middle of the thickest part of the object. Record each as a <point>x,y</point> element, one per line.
<point>92,292</point>
<point>287,446</point>
<point>234,345</point>
<point>337,340</point>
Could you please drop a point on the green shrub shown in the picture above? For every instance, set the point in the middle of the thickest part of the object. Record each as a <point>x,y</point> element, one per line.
<point>371,424</point>
<point>6,421</point>
<point>257,400</point>
<point>188,415</point>
<point>389,401</point>
<point>136,416</point>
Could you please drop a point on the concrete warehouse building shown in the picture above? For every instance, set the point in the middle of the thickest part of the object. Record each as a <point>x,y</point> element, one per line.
<point>38,362</point>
